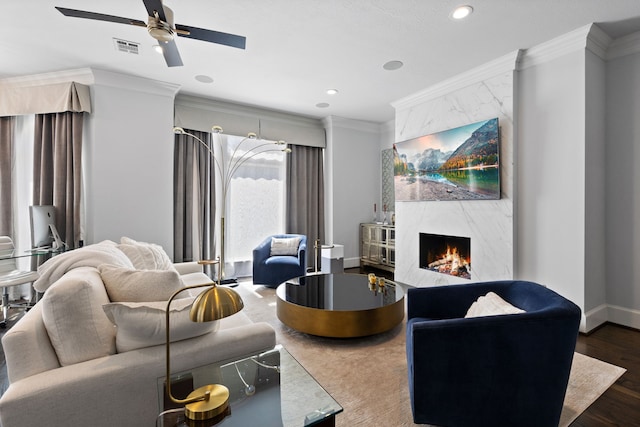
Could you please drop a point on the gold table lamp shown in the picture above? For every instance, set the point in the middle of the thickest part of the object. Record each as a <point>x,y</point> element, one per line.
<point>212,304</point>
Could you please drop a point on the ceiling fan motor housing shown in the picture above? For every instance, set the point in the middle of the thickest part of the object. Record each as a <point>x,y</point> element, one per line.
<point>161,30</point>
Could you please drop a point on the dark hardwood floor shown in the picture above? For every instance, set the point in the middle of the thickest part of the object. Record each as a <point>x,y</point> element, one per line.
<point>618,406</point>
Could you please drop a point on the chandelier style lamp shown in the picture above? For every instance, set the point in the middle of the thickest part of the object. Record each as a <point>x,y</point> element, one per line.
<point>226,170</point>
<point>215,303</point>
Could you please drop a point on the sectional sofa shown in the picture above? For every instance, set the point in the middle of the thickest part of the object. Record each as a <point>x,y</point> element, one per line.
<point>91,352</point>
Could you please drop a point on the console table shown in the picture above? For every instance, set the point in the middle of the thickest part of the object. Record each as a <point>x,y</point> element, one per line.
<point>377,246</point>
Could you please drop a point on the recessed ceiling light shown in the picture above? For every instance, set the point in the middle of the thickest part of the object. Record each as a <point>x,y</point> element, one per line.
<point>204,79</point>
<point>393,65</point>
<point>461,12</point>
<point>322,105</point>
<point>332,91</point>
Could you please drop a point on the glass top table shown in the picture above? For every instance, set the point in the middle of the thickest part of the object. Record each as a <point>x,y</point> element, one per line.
<point>270,389</point>
<point>36,252</point>
<point>340,305</point>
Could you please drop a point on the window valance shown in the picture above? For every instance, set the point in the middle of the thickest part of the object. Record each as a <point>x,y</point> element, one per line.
<point>42,99</point>
<point>201,114</point>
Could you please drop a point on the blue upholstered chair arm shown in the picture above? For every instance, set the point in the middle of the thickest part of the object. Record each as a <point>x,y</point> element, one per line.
<point>302,253</point>
<point>262,251</point>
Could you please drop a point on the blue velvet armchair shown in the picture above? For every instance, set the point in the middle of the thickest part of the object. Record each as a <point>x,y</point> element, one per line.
<point>503,370</point>
<point>273,270</point>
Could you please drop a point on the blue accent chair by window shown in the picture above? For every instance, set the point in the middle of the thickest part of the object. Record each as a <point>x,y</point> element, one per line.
<point>501,370</point>
<point>273,270</point>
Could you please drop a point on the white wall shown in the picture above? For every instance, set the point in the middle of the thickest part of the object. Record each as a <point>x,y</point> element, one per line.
<point>623,189</point>
<point>129,160</point>
<point>550,176</point>
<point>352,168</point>
<point>595,297</point>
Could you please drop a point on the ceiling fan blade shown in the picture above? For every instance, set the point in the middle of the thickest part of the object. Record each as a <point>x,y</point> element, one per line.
<point>99,16</point>
<point>155,6</point>
<point>212,36</point>
<point>171,54</point>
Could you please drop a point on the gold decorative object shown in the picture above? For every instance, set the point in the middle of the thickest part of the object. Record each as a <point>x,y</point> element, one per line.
<point>226,171</point>
<point>215,303</point>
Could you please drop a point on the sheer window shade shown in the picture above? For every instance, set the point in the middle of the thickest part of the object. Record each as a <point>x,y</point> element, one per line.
<point>201,114</point>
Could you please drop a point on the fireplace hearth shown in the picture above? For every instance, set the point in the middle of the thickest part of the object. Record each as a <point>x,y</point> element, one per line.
<point>446,254</point>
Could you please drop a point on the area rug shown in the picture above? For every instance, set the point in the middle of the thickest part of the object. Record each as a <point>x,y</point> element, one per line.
<point>368,376</point>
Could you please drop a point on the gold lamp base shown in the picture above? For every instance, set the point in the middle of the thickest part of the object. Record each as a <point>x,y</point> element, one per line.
<point>206,409</point>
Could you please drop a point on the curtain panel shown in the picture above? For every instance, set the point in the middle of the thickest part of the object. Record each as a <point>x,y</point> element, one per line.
<point>194,198</point>
<point>6,162</point>
<point>305,194</point>
<point>57,169</point>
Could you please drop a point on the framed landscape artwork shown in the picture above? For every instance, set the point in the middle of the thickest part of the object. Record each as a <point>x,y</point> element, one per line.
<point>456,164</point>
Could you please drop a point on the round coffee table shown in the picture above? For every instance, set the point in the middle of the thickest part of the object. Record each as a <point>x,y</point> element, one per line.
<point>339,305</point>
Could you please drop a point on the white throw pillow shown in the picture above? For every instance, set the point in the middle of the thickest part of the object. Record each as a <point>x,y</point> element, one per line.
<point>145,256</point>
<point>491,305</point>
<point>73,317</point>
<point>284,246</point>
<point>142,325</point>
<point>125,284</point>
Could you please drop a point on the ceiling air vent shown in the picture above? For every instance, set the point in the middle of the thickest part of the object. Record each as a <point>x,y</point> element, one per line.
<point>125,46</point>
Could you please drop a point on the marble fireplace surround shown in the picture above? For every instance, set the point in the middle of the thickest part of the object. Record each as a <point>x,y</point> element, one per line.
<point>480,94</point>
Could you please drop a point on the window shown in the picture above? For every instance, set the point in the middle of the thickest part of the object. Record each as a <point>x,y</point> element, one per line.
<point>255,199</point>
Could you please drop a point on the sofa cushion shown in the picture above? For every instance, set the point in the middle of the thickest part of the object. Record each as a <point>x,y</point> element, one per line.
<point>142,324</point>
<point>491,305</point>
<point>125,284</point>
<point>145,256</point>
<point>285,246</point>
<point>72,313</point>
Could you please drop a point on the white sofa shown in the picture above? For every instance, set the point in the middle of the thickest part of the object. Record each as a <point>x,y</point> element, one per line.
<point>48,386</point>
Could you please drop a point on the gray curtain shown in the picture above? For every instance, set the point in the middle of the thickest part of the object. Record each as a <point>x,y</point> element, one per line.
<point>193,177</point>
<point>6,159</point>
<point>57,170</point>
<point>305,195</point>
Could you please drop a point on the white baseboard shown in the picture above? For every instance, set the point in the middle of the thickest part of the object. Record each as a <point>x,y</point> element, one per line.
<point>594,318</point>
<point>610,313</point>
<point>624,316</point>
<point>352,262</point>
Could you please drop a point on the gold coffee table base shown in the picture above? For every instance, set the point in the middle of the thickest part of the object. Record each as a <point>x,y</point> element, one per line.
<point>340,323</point>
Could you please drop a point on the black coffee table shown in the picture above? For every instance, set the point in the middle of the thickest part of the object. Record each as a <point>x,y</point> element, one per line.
<point>340,305</point>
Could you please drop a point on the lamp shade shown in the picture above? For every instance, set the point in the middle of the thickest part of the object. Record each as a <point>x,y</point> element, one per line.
<point>214,304</point>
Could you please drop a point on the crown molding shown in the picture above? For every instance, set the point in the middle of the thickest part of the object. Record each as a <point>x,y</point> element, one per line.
<point>80,75</point>
<point>344,123</point>
<point>624,46</point>
<point>589,37</point>
<point>491,69</point>
<point>134,83</point>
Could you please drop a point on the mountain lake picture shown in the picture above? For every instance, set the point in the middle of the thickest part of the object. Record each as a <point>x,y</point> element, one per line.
<point>456,164</point>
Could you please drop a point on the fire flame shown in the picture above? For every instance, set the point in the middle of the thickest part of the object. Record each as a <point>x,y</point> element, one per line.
<point>451,263</point>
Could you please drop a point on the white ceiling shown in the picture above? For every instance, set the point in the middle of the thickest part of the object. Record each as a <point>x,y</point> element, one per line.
<point>297,49</point>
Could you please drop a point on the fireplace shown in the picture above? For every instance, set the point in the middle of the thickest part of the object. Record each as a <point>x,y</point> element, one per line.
<point>446,254</point>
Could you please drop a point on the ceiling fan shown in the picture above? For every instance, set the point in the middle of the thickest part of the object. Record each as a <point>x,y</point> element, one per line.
<point>161,27</point>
